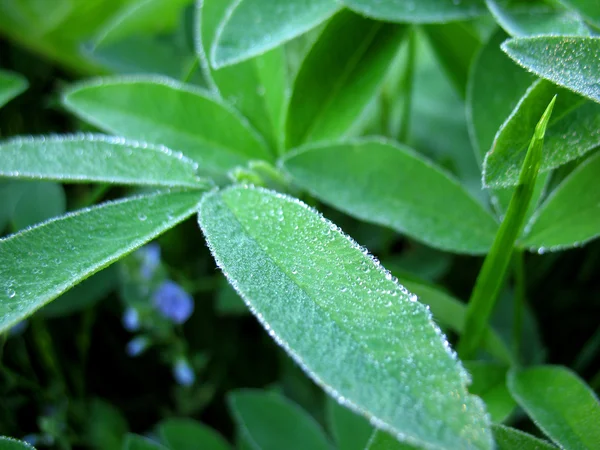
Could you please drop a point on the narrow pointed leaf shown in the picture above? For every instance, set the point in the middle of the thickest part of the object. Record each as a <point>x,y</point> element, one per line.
<point>391,185</point>
<point>11,85</point>
<point>351,431</point>
<point>83,242</point>
<point>339,77</point>
<point>570,215</point>
<point>253,27</point>
<point>163,111</point>
<point>310,285</point>
<point>86,158</point>
<point>573,130</point>
<point>510,439</point>
<point>421,11</point>
<point>569,61</point>
<point>258,88</point>
<point>7,443</point>
<point>271,422</point>
<point>560,403</point>
<point>535,17</point>
<point>186,434</point>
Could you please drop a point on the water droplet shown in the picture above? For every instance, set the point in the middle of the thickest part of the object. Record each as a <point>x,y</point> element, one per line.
<point>142,217</point>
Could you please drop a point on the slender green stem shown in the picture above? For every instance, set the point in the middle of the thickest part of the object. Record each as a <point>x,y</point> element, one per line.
<point>407,87</point>
<point>588,353</point>
<point>493,272</point>
<point>191,70</point>
<point>519,305</point>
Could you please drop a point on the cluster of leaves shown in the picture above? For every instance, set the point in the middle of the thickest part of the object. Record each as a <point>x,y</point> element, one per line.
<point>244,113</point>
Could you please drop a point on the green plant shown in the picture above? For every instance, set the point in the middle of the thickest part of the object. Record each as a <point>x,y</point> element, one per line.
<point>270,134</point>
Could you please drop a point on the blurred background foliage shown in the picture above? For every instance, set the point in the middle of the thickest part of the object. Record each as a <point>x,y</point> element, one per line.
<point>104,359</point>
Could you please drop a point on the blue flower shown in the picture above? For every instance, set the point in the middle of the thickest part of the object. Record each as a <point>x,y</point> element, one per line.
<point>183,373</point>
<point>150,256</point>
<point>131,319</point>
<point>136,346</point>
<point>173,302</point>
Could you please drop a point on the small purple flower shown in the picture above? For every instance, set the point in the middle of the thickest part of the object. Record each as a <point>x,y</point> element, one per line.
<point>173,302</point>
<point>131,319</point>
<point>150,256</point>
<point>183,373</point>
<point>136,346</point>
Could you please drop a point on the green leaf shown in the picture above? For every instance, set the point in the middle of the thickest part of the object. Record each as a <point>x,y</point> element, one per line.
<point>421,11</point>
<point>253,27</point>
<point>492,274</point>
<point>308,284</point>
<point>136,442</point>
<point>271,422</point>
<point>7,443</point>
<point>83,242</point>
<point>186,434</point>
<point>88,158</point>
<point>383,441</point>
<point>489,383</point>
<point>34,202</point>
<point>339,77</point>
<point>11,85</point>
<point>350,431</point>
<point>569,61</point>
<point>106,426</point>
<point>572,131</point>
<point>589,10</point>
<point>510,439</point>
<point>163,111</point>
<point>535,17</point>
<point>570,215</point>
<point>450,313</point>
<point>258,88</point>
<point>391,185</point>
<point>560,403</point>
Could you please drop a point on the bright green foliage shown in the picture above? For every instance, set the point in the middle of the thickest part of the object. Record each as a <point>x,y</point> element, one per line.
<point>492,274</point>
<point>7,443</point>
<point>534,17</point>
<point>136,442</point>
<point>339,77</point>
<point>96,158</point>
<point>573,130</point>
<point>258,413</point>
<point>256,26</point>
<point>510,439</point>
<point>186,434</point>
<point>391,185</point>
<point>107,426</point>
<point>350,431</point>
<point>383,441</point>
<point>560,403</point>
<point>258,88</point>
<point>163,111</point>
<point>569,61</point>
<point>590,10</point>
<point>489,383</point>
<point>570,215</point>
<point>342,317</point>
<point>11,85</point>
<point>422,11</point>
<point>83,243</point>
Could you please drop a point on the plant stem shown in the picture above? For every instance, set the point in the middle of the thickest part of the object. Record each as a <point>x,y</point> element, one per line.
<point>407,87</point>
<point>193,66</point>
<point>493,272</point>
<point>519,305</point>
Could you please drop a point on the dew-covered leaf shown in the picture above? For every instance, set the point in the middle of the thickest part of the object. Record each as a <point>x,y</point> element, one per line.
<point>252,27</point>
<point>560,403</point>
<point>511,439</point>
<point>384,441</point>
<point>258,88</point>
<point>573,130</point>
<point>186,434</point>
<point>569,61</point>
<point>392,185</point>
<point>489,383</point>
<point>351,431</point>
<point>40,263</point>
<point>271,422</point>
<point>11,85</point>
<point>535,17</point>
<point>339,77</point>
<point>570,215</point>
<point>88,158</point>
<point>7,443</point>
<point>418,11</point>
<point>343,318</point>
<point>162,111</point>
